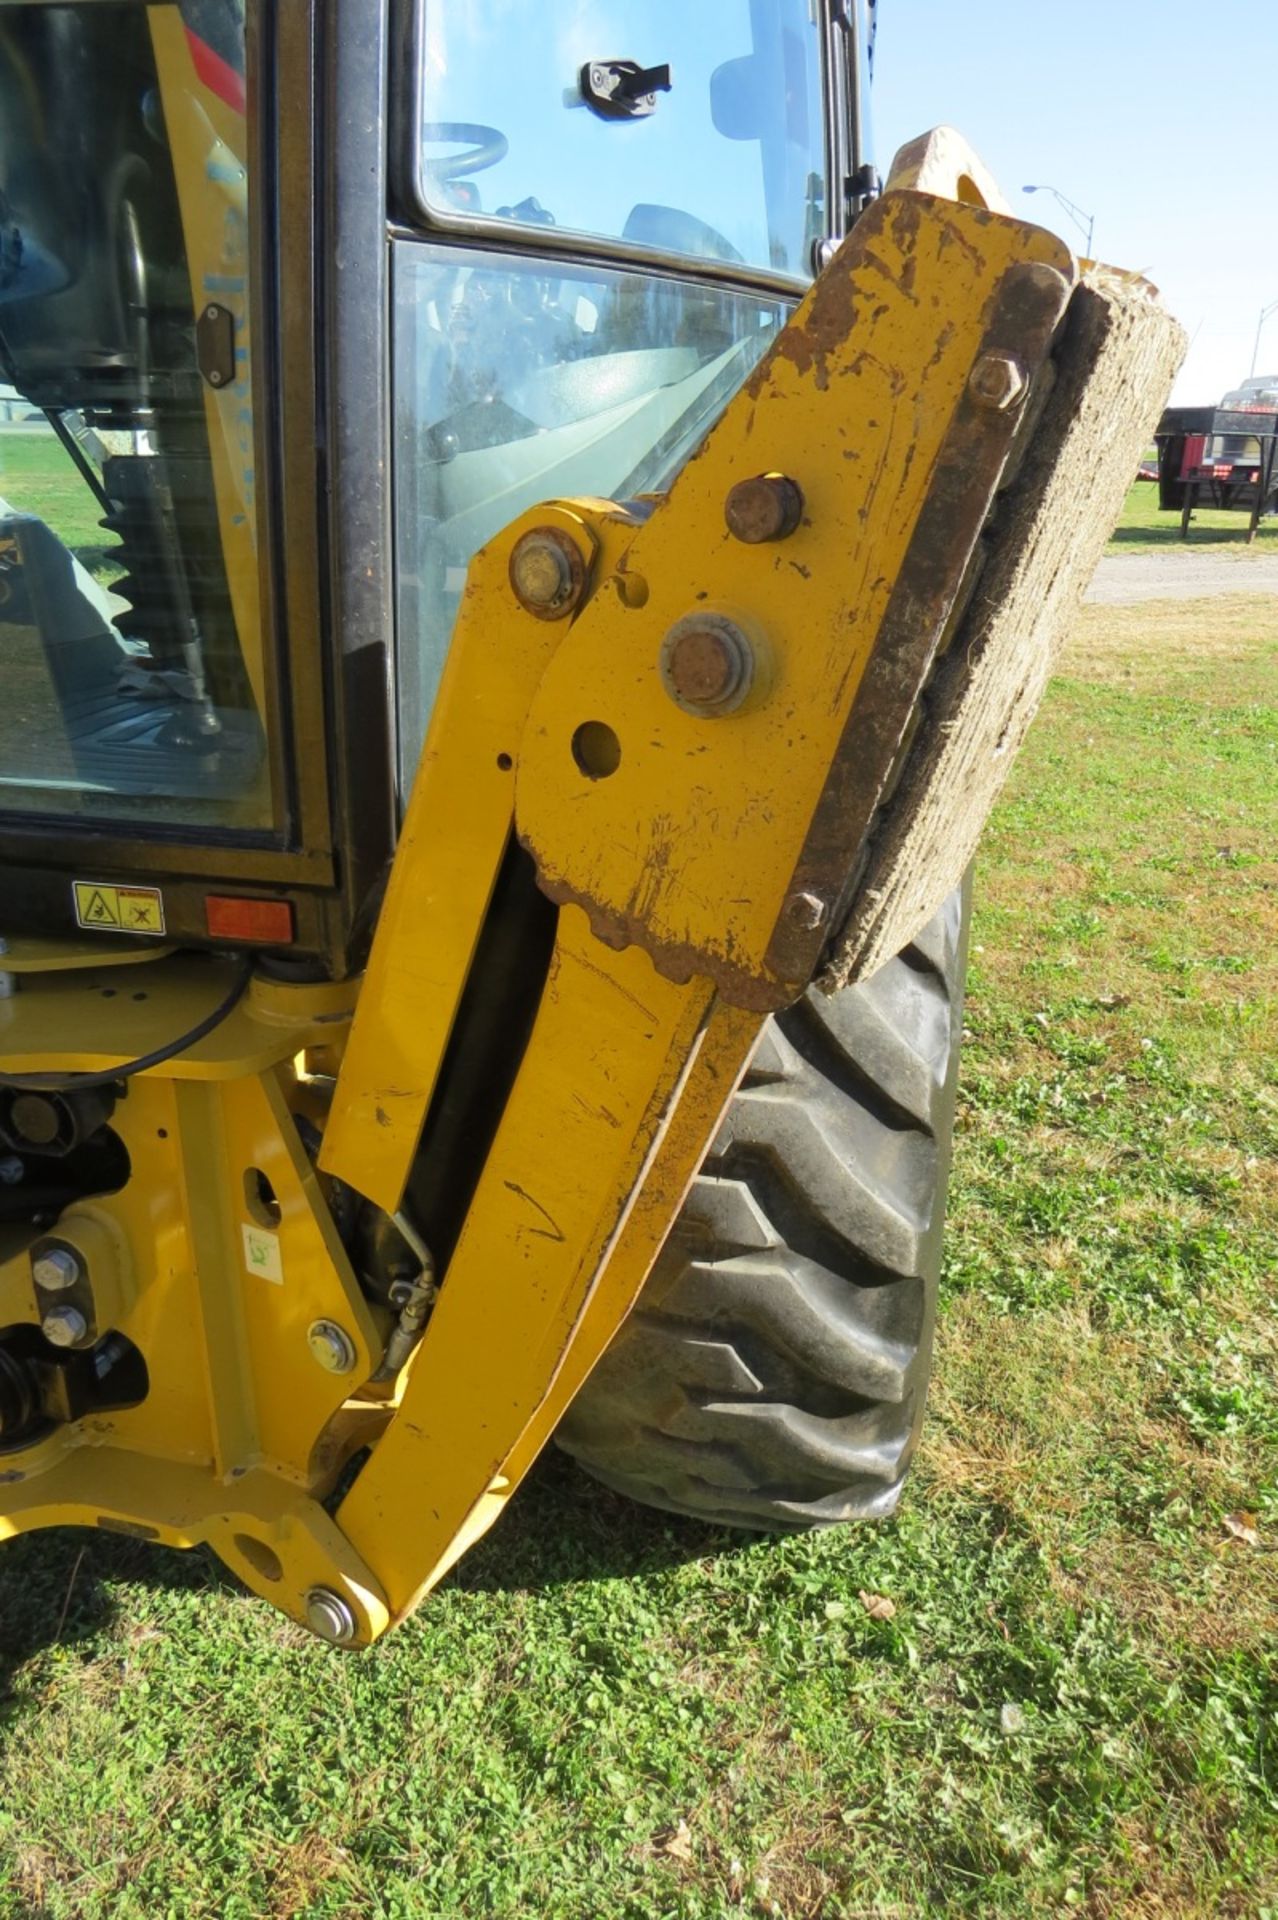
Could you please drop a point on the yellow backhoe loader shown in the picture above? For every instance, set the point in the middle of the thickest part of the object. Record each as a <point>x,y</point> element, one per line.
<point>523,566</point>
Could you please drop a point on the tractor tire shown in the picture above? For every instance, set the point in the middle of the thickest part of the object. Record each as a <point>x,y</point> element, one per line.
<point>773,1372</point>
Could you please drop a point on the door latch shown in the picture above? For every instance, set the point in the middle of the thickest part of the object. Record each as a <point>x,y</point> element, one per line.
<point>622,89</point>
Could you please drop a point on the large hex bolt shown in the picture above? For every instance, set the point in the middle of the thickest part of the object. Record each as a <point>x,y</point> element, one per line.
<point>804,911</point>
<point>55,1269</point>
<point>998,380</point>
<point>329,1617</point>
<point>768,507</point>
<point>64,1326</point>
<point>547,573</point>
<point>331,1345</point>
<point>707,664</point>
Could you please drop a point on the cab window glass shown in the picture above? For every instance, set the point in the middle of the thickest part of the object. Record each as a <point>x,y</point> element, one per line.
<point>519,380</point>
<point>129,630</point>
<point>687,129</point>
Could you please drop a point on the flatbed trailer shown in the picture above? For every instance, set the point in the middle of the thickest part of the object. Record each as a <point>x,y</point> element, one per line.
<point>1221,457</point>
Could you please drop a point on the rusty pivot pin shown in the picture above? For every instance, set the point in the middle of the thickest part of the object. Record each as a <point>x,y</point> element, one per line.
<point>767,507</point>
<point>547,573</point>
<point>707,664</point>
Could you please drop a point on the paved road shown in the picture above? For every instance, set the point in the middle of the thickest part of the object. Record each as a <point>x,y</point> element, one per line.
<point>1178,573</point>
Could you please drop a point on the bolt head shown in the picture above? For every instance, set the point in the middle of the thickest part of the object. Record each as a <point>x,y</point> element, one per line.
<point>329,1617</point>
<point>64,1326</point>
<point>998,380</point>
<point>331,1346</point>
<point>547,573</point>
<point>707,665</point>
<point>805,911</point>
<point>767,507</point>
<point>55,1269</point>
<point>35,1119</point>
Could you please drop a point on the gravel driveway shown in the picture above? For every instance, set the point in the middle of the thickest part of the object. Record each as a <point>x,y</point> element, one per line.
<point>1122,579</point>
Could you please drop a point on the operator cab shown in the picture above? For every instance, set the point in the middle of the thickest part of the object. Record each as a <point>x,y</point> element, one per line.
<point>270,374</point>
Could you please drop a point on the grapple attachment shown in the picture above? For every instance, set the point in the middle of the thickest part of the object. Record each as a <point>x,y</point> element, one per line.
<point>749,735</point>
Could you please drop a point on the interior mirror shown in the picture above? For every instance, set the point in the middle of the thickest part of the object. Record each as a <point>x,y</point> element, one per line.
<point>734,99</point>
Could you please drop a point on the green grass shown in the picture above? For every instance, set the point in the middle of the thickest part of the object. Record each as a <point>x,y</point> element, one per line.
<point>1142,528</point>
<point>37,475</point>
<point>608,1713</point>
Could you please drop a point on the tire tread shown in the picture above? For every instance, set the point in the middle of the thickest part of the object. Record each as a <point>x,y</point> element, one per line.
<point>774,1371</point>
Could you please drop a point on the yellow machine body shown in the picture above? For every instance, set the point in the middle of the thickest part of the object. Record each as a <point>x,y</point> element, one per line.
<point>701,858</point>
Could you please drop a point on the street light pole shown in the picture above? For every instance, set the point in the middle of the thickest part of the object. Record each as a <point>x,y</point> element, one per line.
<point>1264,315</point>
<point>1085,222</point>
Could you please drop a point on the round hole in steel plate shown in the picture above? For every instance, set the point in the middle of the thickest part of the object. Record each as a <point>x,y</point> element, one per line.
<point>596,749</point>
<point>263,1559</point>
<point>259,1198</point>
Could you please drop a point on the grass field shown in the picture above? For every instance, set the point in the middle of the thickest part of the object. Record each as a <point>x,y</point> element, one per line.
<point>607,1713</point>
<point>37,475</point>
<point>1143,529</point>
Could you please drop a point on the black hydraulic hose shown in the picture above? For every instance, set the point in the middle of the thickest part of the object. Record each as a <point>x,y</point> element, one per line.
<point>81,1082</point>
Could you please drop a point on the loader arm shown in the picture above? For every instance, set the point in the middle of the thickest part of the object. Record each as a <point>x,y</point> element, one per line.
<point>708,858</point>
<point>702,859</point>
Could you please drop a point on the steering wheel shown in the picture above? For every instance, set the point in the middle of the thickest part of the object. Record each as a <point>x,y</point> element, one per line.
<point>484,147</point>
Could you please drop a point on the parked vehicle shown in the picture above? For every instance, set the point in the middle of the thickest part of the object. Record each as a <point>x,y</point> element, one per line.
<point>1224,457</point>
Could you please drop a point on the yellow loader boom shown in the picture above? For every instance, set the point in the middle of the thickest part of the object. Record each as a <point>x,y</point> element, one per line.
<point>745,734</point>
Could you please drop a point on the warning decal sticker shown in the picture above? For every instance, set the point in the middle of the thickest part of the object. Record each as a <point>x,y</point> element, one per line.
<point>262,1253</point>
<point>107,909</point>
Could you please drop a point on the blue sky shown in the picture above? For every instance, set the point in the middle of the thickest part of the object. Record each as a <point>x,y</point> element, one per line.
<point>1158,116</point>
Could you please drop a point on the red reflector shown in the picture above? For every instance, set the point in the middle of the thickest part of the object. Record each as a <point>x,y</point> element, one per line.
<point>229,917</point>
